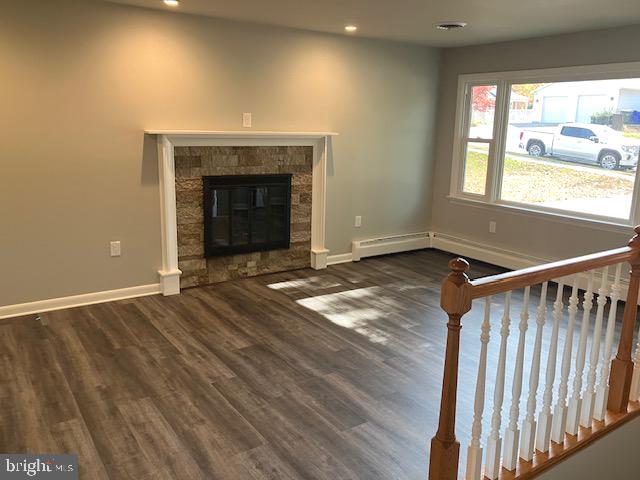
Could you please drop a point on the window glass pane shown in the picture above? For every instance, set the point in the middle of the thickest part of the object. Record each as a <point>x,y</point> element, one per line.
<point>220,217</point>
<point>240,216</point>
<point>483,108</point>
<point>259,221</point>
<point>573,146</point>
<point>277,213</point>
<point>475,168</point>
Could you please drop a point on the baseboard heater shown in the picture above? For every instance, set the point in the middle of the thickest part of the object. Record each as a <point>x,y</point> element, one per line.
<point>393,244</point>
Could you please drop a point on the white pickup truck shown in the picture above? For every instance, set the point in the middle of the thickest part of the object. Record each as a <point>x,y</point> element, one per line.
<point>584,143</point>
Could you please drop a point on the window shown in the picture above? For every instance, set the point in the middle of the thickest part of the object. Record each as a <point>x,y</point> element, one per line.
<point>479,138</point>
<point>576,132</point>
<point>559,141</point>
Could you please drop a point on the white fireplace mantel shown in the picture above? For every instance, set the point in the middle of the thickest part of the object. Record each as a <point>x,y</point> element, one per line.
<point>168,139</point>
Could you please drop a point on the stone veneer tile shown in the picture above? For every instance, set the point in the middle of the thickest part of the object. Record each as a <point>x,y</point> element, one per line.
<point>194,162</point>
<point>300,236</point>
<point>191,249</point>
<point>192,265</point>
<point>302,179</point>
<point>214,161</point>
<point>189,214</point>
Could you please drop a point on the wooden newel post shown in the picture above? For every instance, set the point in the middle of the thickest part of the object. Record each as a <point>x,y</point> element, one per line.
<point>622,365</point>
<point>455,299</point>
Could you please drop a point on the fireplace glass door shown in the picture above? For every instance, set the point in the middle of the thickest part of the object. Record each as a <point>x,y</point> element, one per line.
<point>246,213</point>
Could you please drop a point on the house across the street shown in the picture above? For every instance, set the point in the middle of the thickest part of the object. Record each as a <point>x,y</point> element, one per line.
<point>562,102</point>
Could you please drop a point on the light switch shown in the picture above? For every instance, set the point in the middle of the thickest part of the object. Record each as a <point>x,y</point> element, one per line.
<point>115,248</point>
<point>358,222</point>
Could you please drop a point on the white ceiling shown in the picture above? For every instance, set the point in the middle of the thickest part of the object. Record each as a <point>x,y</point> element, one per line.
<point>412,20</point>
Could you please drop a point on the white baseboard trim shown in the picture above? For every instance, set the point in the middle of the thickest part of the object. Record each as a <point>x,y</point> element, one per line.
<point>391,244</point>
<point>341,258</point>
<point>470,249</point>
<point>78,300</point>
<point>169,282</point>
<point>483,252</point>
<point>515,260</point>
<point>319,258</point>
<point>361,249</point>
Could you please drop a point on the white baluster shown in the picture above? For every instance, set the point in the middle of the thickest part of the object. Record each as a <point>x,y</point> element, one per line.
<point>575,403</point>
<point>589,397</point>
<point>560,412</point>
<point>602,392</point>
<point>634,394</point>
<point>494,442</point>
<point>543,435</point>
<point>474,452</point>
<point>512,434</point>
<point>527,442</point>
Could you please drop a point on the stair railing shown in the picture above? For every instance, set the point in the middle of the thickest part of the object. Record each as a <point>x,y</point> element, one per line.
<point>577,403</point>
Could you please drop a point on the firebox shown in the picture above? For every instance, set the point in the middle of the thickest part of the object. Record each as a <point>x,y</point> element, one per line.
<point>246,213</point>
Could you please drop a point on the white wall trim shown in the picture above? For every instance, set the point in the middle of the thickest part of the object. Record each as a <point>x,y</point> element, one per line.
<point>168,139</point>
<point>230,134</point>
<point>366,248</point>
<point>390,244</point>
<point>78,300</point>
<point>484,252</point>
<point>513,260</point>
<point>469,249</point>
<point>341,258</point>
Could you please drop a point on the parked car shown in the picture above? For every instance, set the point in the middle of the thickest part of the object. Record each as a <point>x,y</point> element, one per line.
<point>584,143</point>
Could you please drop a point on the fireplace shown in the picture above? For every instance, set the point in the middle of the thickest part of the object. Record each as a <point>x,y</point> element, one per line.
<point>246,213</point>
<point>185,158</point>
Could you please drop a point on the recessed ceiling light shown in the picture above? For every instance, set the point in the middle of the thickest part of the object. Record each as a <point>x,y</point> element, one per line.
<point>450,25</point>
<point>350,28</point>
<point>172,3</point>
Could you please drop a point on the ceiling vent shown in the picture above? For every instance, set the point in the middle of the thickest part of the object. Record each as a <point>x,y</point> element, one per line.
<point>450,25</point>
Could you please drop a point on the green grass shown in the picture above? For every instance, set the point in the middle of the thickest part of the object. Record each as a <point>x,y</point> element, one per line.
<point>530,182</point>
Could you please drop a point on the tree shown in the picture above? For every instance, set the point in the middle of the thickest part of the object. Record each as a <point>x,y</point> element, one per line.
<point>527,89</point>
<point>484,98</point>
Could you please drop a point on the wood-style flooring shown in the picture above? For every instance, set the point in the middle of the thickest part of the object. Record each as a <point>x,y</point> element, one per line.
<point>332,374</point>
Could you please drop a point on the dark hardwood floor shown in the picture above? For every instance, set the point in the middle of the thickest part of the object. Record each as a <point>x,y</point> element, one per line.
<point>332,374</point>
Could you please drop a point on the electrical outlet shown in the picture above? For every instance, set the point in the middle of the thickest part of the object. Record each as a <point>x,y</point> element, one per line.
<point>115,248</point>
<point>246,120</point>
<point>358,222</point>
<point>492,227</point>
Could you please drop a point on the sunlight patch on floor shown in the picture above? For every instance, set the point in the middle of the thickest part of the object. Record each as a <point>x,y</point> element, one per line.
<point>354,309</point>
<point>311,282</point>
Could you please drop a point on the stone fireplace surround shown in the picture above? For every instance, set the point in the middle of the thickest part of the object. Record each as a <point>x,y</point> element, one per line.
<point>194,163</point>
<point>169,140</point>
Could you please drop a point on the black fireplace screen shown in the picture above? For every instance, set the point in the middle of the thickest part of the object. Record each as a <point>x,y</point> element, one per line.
<point>246,213</point>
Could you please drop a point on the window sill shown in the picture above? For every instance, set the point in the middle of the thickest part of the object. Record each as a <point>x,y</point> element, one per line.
<point>558,217</point>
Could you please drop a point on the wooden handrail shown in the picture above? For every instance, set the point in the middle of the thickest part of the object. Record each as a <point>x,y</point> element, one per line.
<point>504,282</point>
<point>621,372</point>
<point>456,299</point>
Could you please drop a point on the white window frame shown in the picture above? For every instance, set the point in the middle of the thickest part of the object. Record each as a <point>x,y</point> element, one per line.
<point>503,82</point>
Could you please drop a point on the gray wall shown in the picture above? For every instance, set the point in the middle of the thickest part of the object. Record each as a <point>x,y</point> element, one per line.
<point>542,238</point>
<point>80,81</point>
<point>615,456</point>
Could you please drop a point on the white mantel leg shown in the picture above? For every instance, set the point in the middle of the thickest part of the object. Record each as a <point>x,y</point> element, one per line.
<point>170,274</point>
<point>319,252</point>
